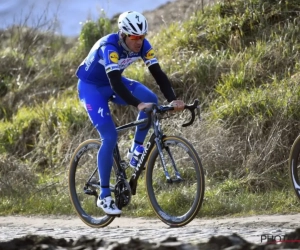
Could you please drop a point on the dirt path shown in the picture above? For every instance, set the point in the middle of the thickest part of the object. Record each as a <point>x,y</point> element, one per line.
<point>121,229</point>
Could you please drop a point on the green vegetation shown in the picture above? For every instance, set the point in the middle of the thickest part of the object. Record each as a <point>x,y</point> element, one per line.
<point>241,59</point>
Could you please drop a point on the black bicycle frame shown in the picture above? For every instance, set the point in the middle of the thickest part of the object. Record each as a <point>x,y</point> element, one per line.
<point>123,127</point>
<point>156,138</point>
<point>141,164</point>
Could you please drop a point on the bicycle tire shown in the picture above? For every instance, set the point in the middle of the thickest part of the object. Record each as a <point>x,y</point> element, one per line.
<point>294,166</point>
<point>83,163</point>
<point>184,197</point>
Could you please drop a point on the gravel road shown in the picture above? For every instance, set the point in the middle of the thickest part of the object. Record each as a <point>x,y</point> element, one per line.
<point>124,228</point>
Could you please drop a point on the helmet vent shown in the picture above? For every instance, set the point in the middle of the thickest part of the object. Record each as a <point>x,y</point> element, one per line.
<point>140,26</point>
<point>131,25</point>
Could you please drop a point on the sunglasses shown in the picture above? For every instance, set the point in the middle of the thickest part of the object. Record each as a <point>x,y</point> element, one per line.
<point>133,37</point>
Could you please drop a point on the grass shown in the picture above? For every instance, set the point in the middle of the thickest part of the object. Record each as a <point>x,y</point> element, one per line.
<point>227,198</point>
<point>231,199</point>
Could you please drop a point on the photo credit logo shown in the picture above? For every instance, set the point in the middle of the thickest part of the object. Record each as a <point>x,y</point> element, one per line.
<point>277,239</point>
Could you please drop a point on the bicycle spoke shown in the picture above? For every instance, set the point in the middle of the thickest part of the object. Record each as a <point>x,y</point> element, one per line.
<point>84,185</point>
<point>85,167</point>
<point>178,198</point>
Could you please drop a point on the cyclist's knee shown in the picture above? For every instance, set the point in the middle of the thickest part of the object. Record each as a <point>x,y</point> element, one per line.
<point>110,137</point>
<point>154,98</point>
<point>108,134</point>
<point>150,97</point>
<point>145,94</point>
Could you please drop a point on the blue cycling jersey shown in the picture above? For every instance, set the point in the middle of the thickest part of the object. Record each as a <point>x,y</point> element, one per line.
<point>107,55</point>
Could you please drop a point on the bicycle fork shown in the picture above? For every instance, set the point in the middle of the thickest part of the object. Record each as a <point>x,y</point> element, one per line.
<point>163,162</point>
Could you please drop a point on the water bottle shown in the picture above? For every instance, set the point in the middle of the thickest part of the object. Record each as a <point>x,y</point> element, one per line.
<point>137,153</point>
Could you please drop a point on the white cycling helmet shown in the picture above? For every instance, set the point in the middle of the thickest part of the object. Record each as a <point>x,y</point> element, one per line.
<point>133,23</point>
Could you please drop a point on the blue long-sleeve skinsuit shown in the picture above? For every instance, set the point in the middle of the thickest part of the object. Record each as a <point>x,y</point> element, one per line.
<point>95,91</point>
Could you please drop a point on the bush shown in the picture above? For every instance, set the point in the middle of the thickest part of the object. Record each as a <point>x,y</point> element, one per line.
<point>93,31</point>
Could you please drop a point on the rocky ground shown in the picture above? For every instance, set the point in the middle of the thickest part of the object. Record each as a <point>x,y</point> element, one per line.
<point>233,242</point>
<point>52,232</point>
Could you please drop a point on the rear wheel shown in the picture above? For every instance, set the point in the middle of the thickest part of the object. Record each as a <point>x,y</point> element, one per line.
<point>176,199</point>
<point>84,185</point>
<point>294,166</point>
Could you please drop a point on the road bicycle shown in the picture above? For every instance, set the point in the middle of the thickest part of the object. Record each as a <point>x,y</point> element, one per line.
<point>294,166</point>
<point>170,166</point>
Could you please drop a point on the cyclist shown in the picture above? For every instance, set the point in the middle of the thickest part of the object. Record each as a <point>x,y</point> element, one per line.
<point>101,81</point>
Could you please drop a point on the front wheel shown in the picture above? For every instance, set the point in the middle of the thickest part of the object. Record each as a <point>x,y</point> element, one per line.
<point>176,195</point>
<point>84,185</point>
<point>294,166</point>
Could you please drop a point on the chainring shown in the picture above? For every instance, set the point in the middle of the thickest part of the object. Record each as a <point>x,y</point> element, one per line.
<point>122,193</point>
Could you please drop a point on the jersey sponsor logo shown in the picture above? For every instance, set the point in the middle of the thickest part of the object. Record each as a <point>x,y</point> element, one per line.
<point>150,54</point>
<point>111,67</point>
<point>150,62</point>
<point>100,111</point>
<point>114,57</point>
<point>133,54</point>
<point>88,62</point>
<point>124,63</point>
<point>89,107</point>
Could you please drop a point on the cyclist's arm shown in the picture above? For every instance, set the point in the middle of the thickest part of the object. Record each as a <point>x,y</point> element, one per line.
<point>108,53</point>
<point>162,81</point>
<point>120,89</point>
<point>160,77</point>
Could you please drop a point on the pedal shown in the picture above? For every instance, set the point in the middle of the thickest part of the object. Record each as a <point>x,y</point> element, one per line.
<point>90,192</point>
